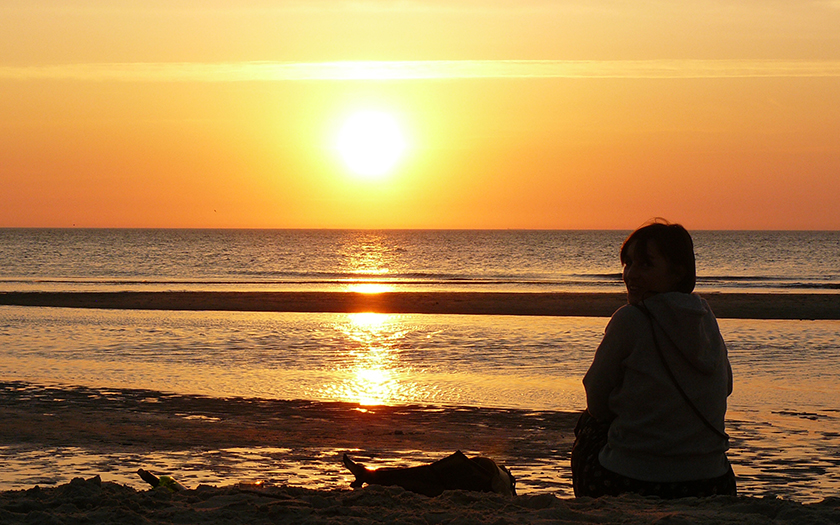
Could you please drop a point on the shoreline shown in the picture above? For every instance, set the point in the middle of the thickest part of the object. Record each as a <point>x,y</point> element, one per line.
<point>108,418</point>
<point>802,306</point>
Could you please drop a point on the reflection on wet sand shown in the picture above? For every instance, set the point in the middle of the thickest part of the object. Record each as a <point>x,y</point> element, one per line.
<point>786,452</point>
<point>84,433</point>
<point>50,435</point>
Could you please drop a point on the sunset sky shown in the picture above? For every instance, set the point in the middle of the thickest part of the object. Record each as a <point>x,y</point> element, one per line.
<point>511,113</point>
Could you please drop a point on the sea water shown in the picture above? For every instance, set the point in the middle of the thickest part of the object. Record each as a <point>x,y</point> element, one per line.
<point>479,260</point>
<point>524,362</point>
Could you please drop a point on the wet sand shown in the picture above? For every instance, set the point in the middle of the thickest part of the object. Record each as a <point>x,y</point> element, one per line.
<point>150,420</point>
<point>298,442</point>
<point>725,305</point>
<point>255,460</point>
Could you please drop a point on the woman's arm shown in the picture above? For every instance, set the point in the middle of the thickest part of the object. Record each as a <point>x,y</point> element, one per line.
<point>607,370</point>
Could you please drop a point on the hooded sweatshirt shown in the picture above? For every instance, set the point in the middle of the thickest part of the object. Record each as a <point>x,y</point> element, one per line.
<point>654,434</point>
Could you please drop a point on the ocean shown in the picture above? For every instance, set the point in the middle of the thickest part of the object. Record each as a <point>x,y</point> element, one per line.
<point>784,416</point>
<point>478,260</point>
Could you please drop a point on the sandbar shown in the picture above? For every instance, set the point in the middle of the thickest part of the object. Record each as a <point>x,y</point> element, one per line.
<point>825,306</point>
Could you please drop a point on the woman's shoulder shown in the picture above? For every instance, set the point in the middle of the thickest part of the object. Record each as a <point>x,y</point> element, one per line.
<point>628,312</point>
<point>628,316</point>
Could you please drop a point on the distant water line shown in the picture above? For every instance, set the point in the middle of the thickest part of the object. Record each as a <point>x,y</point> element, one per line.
<point>430,260</point>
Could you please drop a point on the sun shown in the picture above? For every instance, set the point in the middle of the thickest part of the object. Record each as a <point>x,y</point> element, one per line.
<point>371,143</point>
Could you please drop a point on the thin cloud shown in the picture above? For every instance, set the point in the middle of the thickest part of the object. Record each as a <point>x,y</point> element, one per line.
<point>422,70</point>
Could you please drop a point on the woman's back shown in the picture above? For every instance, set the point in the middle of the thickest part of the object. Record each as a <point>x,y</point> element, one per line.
<point>654,433</point>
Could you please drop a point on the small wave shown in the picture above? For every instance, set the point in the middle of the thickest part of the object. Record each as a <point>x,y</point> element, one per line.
<point>760,281</point>
<point>740,278</point>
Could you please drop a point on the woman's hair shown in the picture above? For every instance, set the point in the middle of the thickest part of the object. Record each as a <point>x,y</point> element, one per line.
<point>675,244</point>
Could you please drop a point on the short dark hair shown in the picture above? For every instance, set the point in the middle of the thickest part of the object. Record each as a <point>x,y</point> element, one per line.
<point>673,242</point>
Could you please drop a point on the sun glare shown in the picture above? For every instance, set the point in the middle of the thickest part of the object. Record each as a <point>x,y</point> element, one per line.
<point>370,142</point>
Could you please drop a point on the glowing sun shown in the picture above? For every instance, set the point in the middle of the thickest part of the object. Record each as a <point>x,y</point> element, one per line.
<point>370,142</point>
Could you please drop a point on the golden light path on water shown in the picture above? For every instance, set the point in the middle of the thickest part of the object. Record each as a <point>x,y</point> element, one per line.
<point>374,372</point>
<point>370,288</point>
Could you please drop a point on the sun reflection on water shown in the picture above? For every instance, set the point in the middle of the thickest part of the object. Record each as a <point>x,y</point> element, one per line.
<point>375,374</point>
<point>367,253</point>
<point>370,288</point>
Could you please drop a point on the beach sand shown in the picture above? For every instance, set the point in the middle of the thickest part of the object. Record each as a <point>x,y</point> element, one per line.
<point>92,501</point>
<point>215,439</point>
<point>725,305</point>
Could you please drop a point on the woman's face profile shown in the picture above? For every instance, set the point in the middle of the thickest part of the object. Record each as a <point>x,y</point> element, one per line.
<point>647,272</point>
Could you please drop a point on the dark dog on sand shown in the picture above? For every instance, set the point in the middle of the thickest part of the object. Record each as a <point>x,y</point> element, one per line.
<point>450,473</point>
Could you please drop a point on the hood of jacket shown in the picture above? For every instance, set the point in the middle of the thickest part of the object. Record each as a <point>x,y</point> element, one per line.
<point>689,324</point>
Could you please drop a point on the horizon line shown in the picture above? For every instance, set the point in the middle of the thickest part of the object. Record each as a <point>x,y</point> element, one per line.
<point>265,71</point>
<point>336,228</point>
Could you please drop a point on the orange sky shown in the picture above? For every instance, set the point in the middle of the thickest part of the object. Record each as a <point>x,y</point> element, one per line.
<point>516,113</point>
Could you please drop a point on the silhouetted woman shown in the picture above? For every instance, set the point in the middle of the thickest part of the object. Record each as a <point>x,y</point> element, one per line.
<point>657,387</point>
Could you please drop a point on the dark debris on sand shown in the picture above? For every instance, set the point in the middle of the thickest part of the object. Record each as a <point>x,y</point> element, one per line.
<point>94,501</point>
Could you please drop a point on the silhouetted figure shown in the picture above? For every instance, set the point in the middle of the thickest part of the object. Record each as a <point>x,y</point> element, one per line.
<point>455,472</point>
<point>657,387</point>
